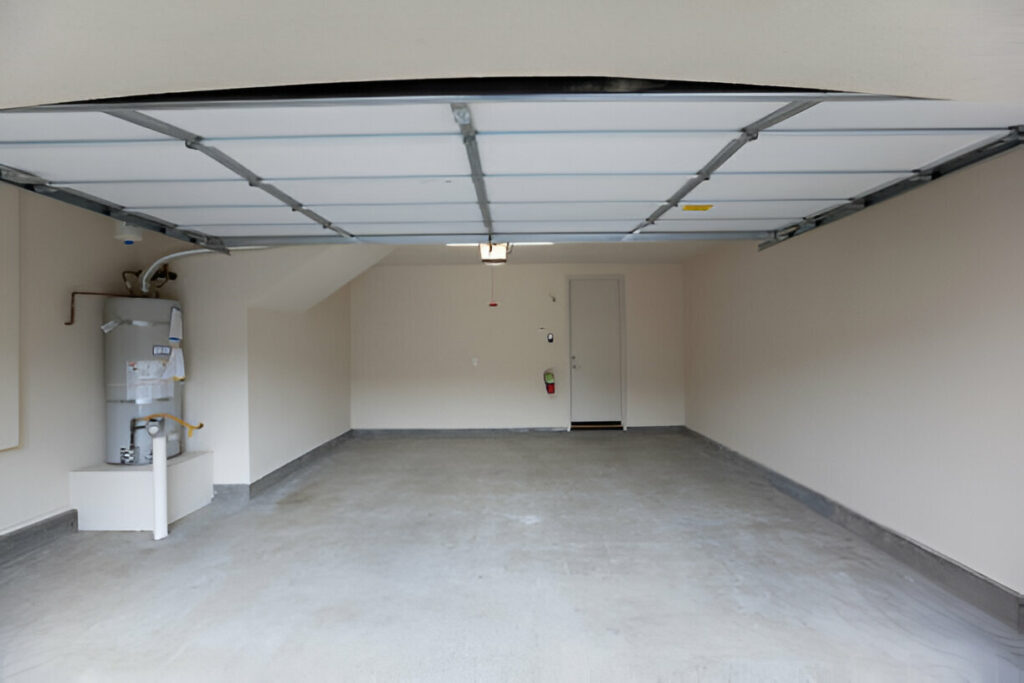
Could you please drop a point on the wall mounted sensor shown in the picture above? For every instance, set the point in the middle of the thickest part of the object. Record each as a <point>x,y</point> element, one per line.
<point>127,234</point>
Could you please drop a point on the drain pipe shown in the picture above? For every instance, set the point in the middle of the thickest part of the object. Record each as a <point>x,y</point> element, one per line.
<point>155,428</point>
<point>147,275</point>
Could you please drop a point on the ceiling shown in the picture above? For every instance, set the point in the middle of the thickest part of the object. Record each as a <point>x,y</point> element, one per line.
<point>432,170</point>
<point>578,252</point>
<point>63,50</point>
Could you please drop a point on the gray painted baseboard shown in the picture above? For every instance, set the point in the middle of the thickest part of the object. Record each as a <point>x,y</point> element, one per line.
<point>17,543</point>
<point>987,595</point>
<point>289,468</point>
<point>231,493</point>
<point>451,433</point>
<point>241,492</point>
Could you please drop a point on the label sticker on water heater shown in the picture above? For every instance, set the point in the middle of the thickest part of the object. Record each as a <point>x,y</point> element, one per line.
<point>145,382</point>
<point>161,350</point>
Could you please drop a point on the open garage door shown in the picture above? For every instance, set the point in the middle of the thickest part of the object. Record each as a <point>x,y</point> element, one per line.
<point>574,166</point>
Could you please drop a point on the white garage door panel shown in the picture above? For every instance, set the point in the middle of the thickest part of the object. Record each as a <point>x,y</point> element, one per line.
<point>289,230</point>
<point>753,209</point>
<point>723,186</point>
<point>156,160</point>
<point>563,226</point>
<point>904,114</point>
<point>599,153</point>
<point>555,211</point>
<point>311,120</point>
<point>393,213</point>
<point>380,190</point>
<point>857,152</point>
<point>705,225</point>
<point>341,157</point>
<point>255,215</point>
<point>151,194</point>
<point>577,116</point>
<point>88,125</point>
<point>583,187</point>
<point>446,228</point>
<point>556,168</point>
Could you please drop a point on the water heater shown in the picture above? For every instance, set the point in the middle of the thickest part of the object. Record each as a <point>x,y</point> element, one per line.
<point>139,374</point>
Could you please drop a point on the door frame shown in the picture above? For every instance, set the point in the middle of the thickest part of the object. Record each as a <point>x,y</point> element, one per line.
<point>621,279</point>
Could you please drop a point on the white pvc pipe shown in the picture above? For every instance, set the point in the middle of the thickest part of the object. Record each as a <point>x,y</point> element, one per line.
<point>160,486</point>
<point>147,275</point>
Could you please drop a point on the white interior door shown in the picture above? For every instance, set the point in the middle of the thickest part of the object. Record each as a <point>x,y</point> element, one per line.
<point>596,350</point>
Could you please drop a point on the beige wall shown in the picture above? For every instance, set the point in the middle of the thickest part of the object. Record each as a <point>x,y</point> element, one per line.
<point>61,50</point>
<point>217,294</point>
<point>62,401</point>
<point>63,248</point>
<point>298,381</point>
<point>416,329</point>
<point>880,361</point>
<point>10,303</point>
<point>213,295</point>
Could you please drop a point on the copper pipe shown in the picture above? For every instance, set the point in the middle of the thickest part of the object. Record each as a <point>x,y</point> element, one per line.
<point>71,321</point>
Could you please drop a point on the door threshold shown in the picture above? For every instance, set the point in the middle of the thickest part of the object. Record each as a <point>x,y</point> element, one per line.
<point>584,426</point>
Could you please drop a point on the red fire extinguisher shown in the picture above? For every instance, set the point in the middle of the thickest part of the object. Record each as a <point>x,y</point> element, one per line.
<point>549,381</point>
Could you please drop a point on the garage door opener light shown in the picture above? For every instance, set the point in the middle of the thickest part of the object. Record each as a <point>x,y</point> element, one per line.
<point>494,254</point>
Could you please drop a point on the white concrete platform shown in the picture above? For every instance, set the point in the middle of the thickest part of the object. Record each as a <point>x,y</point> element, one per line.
<point>120,497</point>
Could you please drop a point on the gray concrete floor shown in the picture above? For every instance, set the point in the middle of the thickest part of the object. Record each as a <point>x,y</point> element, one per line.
<point>524,557</point>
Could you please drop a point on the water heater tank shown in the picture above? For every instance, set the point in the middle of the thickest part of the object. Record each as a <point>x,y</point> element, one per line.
<point>136,352</point>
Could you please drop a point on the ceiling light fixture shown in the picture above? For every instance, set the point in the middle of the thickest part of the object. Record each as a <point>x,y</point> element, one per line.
<point>512,244</point>
<point>494,254</point>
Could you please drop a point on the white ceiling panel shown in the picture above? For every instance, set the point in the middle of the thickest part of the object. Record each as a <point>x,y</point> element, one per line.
<point>156,160</point>
<point>229,215</point>
<point>380,190</point>
<point>622,226</point>
<point>583,188</point>
<point>905,114</point>
<point>447,228</point>
<point>633,115</point>
<point>581,211</point>
<point>149,194</point>
<point>339,157</point>
<point>231,122</point>
<point>39,126</point>
<point>859,152</point>
<point>753,209</point>
<point>286,230</point>
<point>702,225</point>
<point>393,213</point>
<point>599,153</point>
<point>723,186</point>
